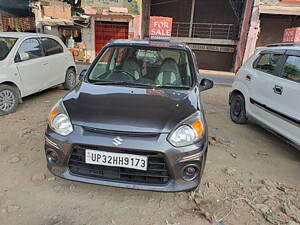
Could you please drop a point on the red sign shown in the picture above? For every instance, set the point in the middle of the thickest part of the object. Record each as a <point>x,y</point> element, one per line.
<point>160,26</point>
<point>291,35</point>
<point>295,1</point>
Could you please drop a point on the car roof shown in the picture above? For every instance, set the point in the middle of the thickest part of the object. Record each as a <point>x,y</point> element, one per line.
<point>281,46</point>
<point>149,43</point>
<point>23,35</point>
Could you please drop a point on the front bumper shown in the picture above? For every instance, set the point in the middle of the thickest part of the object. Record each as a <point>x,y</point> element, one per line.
<point>176,159</point>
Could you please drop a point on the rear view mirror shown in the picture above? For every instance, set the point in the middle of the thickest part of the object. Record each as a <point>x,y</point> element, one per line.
<point>206,84</point>
<point>24,56</point>
<point>82,74</point>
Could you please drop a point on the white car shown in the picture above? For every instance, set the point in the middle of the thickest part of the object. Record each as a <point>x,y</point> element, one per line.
<point>30,63</point>
<point>266,90</point>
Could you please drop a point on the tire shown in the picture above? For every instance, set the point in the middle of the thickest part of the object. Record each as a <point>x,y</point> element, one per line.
<point>9,99</point>
<point>70,81</point>
<point>238,109</point>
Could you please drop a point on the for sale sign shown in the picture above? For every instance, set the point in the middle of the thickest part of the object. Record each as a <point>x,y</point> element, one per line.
<point>291,35</point>
<point>160,26</point>
<point>293,1</point>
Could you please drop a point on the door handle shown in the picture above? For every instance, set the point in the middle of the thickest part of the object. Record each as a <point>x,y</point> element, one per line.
<point>44,64</point>
<point>278,89</point>
<point>248,77</point>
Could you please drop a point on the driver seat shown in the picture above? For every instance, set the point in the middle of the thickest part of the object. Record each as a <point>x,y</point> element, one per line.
<point>169,73</point>
<point>132,66</point>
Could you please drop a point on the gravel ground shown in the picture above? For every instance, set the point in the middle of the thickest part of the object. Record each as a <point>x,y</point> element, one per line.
<point>251,178</point>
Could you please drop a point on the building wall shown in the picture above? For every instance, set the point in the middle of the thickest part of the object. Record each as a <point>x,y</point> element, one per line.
<point>88,34</point>
<point>268,21</point>
<point>206,11</point>
<point>180,11</point>
<point>213,11</point>
<point>272,28</point>
<point>52,30</point>
<point>134,6</point>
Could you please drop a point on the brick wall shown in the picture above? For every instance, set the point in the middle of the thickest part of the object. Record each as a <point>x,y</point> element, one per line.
<point>56,10</point>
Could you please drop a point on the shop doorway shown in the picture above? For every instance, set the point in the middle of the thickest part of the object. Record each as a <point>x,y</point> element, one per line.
<point>106,31</point>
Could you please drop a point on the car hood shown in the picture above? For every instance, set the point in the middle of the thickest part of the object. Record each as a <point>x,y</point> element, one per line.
<point>129,109</point>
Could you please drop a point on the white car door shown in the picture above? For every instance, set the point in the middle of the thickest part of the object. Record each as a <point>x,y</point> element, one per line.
<point>31,66</point>
<point>54,54</point>
<point>260,81</point>
<point>285,104</point>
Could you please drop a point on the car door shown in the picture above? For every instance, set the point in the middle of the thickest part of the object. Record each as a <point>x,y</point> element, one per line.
<point>284,104</point>
<point>54,54</point>
<point>260,81</point>
<point>31,66</point>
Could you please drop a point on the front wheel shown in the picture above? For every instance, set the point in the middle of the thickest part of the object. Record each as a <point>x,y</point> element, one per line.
<point>70,81</point>
<point>8,99</point>
<point>238,109</point>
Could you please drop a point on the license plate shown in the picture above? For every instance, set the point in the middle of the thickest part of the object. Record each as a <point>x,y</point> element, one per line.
<point>102,158</point>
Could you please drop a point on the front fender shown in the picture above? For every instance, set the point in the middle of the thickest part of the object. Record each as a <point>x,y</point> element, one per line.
<point>243,88</point>
<point>8,80</point>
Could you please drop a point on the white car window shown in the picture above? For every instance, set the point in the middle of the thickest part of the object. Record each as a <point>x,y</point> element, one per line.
<point>267,62</point>
<point>51,47</point>
<point>291,68</point>
<point>6,44</point>
<point>32,47</point>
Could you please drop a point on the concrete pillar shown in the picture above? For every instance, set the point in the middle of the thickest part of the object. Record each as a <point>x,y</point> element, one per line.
<point>253,31</point>
<point>37,11</point>
<point>146,7</point>
<point>192,18</point>
<point>243,34</point>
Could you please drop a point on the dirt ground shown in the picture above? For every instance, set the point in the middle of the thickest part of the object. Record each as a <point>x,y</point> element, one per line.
<point>251,178</point>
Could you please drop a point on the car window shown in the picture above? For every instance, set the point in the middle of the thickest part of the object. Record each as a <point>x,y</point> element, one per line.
<point>31,47</point>
<point>291,68</point>
<point>6,45</point>
<point>102,66</point>
<point>51,47</point>
<point>148,65</point>
<point>268,62</point>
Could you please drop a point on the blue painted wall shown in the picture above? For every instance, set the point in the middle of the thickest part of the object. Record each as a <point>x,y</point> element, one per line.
<point>17,8</point>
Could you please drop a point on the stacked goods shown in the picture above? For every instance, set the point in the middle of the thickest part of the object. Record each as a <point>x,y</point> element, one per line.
<point>18,24</point>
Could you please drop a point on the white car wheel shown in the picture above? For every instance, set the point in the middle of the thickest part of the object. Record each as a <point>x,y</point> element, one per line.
<point>8,99</point>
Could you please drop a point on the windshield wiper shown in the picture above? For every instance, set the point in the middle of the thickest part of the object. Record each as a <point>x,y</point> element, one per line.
<point>173,86</point>
<point>129,83</point>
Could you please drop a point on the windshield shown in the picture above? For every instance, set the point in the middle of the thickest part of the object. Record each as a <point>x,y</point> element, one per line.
<point>152,66</point>
<point>6,45</point>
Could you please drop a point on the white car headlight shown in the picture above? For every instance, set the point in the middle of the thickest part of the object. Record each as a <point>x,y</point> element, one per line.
<point>188,131</point>
<point>59,120</point>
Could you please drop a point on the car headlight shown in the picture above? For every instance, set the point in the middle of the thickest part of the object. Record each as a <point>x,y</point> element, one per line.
<point>188,131</point>
<point>59,120</point>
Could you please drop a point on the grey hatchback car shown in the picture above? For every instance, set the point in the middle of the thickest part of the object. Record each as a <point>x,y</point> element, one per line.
<point>135,120</point>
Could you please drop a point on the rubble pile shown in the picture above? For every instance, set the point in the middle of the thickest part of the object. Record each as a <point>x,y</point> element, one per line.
<point>261,200</point>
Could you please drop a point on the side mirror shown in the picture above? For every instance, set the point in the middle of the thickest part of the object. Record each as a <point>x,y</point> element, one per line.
<point>24,56</point>
<point>82,74</point>
<point>206,84</point>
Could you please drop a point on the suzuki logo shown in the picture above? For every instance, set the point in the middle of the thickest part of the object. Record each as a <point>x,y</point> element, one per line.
<point>117,141</point>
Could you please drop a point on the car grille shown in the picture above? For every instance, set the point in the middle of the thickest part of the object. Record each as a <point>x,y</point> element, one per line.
<point>124,133</point>
<point>157,172</point>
